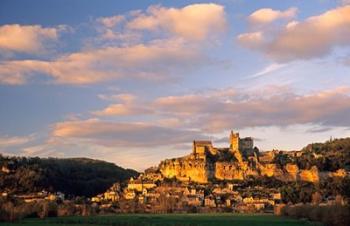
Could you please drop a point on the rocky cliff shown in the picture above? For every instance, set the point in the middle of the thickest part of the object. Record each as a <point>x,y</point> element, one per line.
<point>203,170</point>
<point>230,164</point>
<point>187,169</point>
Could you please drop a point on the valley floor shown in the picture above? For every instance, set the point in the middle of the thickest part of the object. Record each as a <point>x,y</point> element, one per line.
<point>166,220</point>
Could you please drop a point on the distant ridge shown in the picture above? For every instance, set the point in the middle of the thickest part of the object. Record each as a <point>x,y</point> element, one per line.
<point>72,176</point>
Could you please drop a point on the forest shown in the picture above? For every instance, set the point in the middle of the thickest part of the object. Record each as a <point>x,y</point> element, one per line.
<point>72,176</point>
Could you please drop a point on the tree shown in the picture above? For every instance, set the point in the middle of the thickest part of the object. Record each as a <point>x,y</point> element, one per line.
<point>345,187</point>
<point>316,198</point>
<point>289,193</point>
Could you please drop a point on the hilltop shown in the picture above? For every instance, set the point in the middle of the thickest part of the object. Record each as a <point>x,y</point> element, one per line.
<point>241,160</point>
<point>72,176</point>
<point>329,156</point>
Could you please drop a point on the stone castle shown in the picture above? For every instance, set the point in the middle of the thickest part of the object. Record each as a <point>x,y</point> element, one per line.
<point>238,147</point>
<point>240,160</point>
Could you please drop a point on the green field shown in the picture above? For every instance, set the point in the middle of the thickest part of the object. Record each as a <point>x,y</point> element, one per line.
<point>165,220</point>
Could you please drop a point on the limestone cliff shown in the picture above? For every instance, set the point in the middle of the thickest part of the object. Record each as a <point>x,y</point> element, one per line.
<point>292,171</point>
<point>228,171</point>
<point>187,169</point>
<point>207,163</point>
<point>311,175</point>
<point>269,170</point>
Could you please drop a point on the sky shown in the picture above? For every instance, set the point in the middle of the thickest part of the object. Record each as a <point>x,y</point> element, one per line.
<point>135,82</point>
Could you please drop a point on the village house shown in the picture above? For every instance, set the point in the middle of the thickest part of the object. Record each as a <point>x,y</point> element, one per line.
<point>277,197</point>
<point>209,201</point>
<point>151,196</point>
<point>4,194</point>
<point>40,196</point>
<point>97,198</point>
<point>153,174</point>
<point>129,194</point>
<point>112,196</point>
<point>139,184</point>
<point>5,169</point>
<point>254,204</point>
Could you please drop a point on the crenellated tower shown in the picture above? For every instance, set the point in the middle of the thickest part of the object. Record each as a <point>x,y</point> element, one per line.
<point>234,141</point>
<point>235,145</point>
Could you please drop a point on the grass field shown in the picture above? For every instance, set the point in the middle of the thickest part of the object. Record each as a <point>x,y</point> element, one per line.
<point>165,220</point>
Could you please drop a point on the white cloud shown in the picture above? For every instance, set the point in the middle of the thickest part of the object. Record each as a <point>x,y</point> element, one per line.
<point>121,50</point>
<point>10,141</point>
<point>112,21</point>
<point>129,157</point>
<point>123,97</point>
<point>345,2</point>
<point>252,39</point>
<point>154,61</point>
<point>268,15</point>
<point>297,39</point>
<point>194,22</point>
<point>122,134</point>
<point>27,38</point>
<point>268,69</point>
<point>180,119</point>
<point>208,112</point>
<point>123,109</point>
<point>15,78</point>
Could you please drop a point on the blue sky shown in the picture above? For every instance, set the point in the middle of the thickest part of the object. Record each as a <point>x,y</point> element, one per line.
<point>135,82</point>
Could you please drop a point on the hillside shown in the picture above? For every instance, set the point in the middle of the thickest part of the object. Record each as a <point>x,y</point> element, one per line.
<point>328,156</point>
<point>75,176</point>
<point>241,160</point>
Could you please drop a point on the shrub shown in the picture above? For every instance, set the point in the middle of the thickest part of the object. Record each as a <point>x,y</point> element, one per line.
<point>66,209</point>
<point>330,215</point>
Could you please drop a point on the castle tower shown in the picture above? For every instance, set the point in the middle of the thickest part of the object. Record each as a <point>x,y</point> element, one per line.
<point>201,147</point>
<point>234,141</point>
<point>235,146</point>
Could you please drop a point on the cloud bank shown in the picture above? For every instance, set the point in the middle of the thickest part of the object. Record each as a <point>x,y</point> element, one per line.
<point>170,47</point>
<point>314,37</point>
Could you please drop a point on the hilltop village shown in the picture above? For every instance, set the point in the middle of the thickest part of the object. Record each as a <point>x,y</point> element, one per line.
<point>239,178</point>
<point>234,179</point>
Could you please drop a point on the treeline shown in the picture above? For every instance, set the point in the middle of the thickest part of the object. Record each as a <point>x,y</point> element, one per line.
<point>13,210</point>
<point>302,192</point>
<point>329,156</point>
<point>73,177</point>
<point>329,215</point>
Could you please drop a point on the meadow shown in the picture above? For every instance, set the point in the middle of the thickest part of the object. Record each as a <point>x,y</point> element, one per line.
<point>166,220</point>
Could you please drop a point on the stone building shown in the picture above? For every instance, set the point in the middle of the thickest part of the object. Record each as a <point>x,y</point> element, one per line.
<point>201,148</point>
<point>139,184</point>
<point>241,147</point>
<point>239,161</point>
<point>207,162</point>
